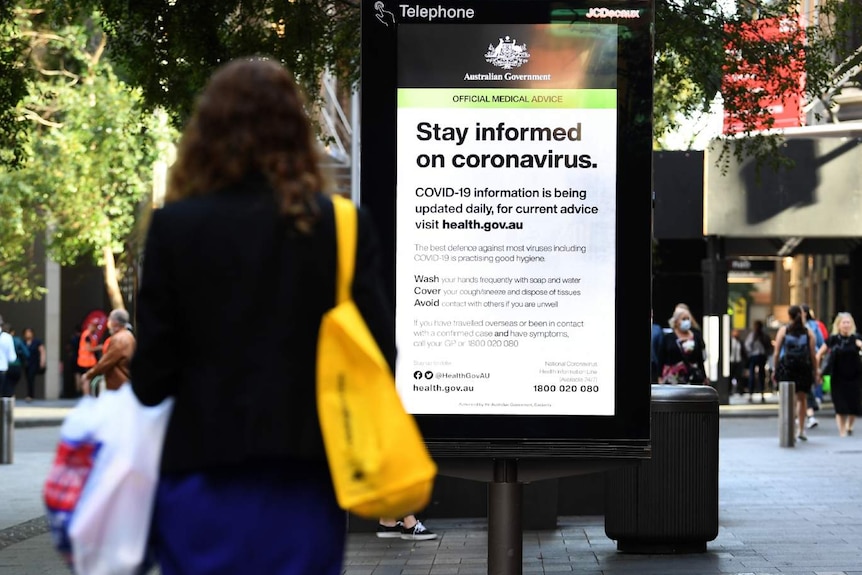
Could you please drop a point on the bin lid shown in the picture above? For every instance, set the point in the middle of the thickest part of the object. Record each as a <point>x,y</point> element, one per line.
<point>682,393</point>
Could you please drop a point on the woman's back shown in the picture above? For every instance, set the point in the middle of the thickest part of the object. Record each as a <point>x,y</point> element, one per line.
<point>235,341</point>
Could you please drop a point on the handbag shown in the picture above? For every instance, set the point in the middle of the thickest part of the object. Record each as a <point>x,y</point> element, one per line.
<point>682,371</point>
<point>675,373</point>
<point>378,460</point>
<point>100,490</point>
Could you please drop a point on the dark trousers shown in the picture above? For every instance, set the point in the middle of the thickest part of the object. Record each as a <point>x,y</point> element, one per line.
<point>737,370</point>
<point>7,389</point>
<point>757,373</point>
<point>31,374</point>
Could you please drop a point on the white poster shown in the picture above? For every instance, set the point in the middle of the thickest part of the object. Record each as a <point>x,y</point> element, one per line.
<point>506,240</point>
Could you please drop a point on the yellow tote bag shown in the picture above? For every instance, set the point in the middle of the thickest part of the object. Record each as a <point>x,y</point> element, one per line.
<point>377,457</point>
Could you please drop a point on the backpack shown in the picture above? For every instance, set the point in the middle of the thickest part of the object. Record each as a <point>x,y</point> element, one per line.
<point>21,350</point>
<point>796,346</point>
<point>377,457</point>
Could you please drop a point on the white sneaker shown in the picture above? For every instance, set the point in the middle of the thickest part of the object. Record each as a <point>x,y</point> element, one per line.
<point>812,423</point>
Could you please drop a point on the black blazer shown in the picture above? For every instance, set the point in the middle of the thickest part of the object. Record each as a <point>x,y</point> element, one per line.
<point>228,315</point>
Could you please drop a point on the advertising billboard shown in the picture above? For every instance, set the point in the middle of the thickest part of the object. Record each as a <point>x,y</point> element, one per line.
<point>503,146</point>
<point>754,81</point>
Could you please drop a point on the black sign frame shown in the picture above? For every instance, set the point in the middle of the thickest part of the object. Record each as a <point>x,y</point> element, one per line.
<point>626,433</point>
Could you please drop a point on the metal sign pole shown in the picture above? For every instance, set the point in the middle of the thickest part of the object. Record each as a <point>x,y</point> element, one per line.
<point>7,429</point>
<point>505,534</point>
<point>787,413</point>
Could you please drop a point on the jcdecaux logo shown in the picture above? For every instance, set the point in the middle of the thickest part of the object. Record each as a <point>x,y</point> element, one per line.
<point>608,13</point>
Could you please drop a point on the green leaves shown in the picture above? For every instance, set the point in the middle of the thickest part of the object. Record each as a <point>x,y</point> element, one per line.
<point>170,49</point>
<point>87,167</point>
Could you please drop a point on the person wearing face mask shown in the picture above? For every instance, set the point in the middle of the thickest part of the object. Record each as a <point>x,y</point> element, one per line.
<point>114,363</point>
<point>681,351</point>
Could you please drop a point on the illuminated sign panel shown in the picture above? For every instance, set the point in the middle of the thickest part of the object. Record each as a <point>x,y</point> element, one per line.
<point>507,143</point>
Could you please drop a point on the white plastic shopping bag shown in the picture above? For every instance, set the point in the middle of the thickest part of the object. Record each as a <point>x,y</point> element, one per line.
<point>107,523</point>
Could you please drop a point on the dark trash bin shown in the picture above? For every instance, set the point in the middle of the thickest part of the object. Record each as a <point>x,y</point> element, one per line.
<point>669,503</point>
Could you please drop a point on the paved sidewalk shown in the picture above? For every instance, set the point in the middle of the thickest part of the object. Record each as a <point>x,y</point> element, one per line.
<point>792,511</point>
<point>40,413</point>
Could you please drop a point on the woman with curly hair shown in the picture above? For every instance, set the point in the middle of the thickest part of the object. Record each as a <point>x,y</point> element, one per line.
<point>245,244</point>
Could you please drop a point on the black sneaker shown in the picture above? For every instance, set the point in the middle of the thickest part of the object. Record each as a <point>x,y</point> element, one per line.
<point>417,533</point>
<point>386,532</point>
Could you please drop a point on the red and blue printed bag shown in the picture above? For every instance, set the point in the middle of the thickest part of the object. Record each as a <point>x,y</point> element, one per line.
<point>62,491</point>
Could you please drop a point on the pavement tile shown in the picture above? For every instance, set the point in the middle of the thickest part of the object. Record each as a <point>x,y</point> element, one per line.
<point>782,511</point>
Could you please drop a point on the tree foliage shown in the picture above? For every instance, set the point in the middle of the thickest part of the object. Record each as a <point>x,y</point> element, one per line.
<point>699,44</point>
<point>75,78</point>
<point>169,49</point>
<point>88,163</point>
<point>12,90</point>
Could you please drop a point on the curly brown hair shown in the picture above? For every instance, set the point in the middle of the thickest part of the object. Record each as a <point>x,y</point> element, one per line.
<point>250,119</point>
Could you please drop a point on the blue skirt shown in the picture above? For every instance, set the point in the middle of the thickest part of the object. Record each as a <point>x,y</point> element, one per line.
<point>264,519</point>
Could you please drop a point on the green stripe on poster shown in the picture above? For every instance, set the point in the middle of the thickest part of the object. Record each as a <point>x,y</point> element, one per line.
<point>505,98</point>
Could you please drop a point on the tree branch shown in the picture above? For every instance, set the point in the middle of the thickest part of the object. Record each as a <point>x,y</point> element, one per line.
<point>97,55</point>
<point>31,115</point>
<point>75,78</point>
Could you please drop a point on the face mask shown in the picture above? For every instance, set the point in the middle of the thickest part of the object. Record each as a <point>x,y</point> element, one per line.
<point>685,325</point>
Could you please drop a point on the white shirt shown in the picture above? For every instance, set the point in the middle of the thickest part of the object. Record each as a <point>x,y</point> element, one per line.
<point>735,350</point>
<point>7,350</point>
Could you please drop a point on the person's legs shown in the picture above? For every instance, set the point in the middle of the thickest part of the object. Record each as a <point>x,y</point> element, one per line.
<point>752,366</point>
<point>811,401</point>
<point>851,419</point>
<point>841,422</point>
<point>801,408</point>
<point>761,372</point>
<point>758,365</point>
<point>30,374</point>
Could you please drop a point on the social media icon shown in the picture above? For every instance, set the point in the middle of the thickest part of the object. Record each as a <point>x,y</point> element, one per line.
<point>417,375</point>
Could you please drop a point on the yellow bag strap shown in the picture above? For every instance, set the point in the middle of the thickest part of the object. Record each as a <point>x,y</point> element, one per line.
<point>345,235</point>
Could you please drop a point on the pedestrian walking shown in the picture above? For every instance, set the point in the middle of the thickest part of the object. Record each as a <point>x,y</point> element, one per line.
<point>246,236</point>
<point>815,396</point>
<point>844,346</point>
<point>682,351</point>
<point>114,365</point>
<point>18,366</point>
<point>758,346</point>
<point>88,345</point>
<point>738,360</point>
<point>7,356</point>
<point>36,363</point>
<point>795,360</point>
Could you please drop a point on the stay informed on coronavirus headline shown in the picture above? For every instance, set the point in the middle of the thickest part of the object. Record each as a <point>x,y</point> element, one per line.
<point>507,218</point>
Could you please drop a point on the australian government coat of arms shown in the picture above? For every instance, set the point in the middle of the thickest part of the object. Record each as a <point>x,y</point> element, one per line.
<point>507,54</point>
